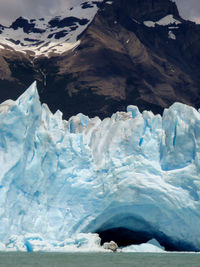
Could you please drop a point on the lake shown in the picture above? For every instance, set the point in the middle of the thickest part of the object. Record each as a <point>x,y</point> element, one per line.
<point>37,259</point>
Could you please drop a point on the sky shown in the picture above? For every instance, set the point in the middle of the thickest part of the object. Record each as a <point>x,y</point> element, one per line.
<point>189,9</point>
<point>12,9</point>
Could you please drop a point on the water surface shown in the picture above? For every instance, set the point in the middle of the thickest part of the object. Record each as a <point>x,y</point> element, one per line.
<point>20,259</point>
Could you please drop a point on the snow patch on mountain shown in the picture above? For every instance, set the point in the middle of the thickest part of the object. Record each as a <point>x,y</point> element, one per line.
<point>172,35</point>
<point>166,21</point>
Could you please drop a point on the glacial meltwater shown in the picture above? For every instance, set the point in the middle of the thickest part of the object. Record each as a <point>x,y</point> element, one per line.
<point>21,259</point>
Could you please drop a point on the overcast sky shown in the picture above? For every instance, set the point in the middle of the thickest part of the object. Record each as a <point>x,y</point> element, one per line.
<point>11,9</point>
<point>189,9</point>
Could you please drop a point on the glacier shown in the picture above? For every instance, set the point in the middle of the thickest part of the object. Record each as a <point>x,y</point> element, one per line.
<point>152,246</point>
<point>65,184</point>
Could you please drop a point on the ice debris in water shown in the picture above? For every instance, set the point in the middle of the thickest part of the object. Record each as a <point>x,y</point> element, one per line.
<point>61,180</point>
<point>151,246</point>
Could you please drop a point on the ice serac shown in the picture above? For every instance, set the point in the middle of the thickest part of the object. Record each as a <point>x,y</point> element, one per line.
<point>132,173</point>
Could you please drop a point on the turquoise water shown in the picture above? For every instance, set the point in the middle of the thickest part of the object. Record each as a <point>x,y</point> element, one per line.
<point>19,259</point>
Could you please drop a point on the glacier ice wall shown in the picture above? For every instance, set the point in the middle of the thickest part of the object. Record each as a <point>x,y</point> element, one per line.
<point>61,178</point>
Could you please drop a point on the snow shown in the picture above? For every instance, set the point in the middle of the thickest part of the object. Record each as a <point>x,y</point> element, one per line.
<point>45,43</point>
<point>61,179</point>
<point>172,35</point>
<point>149,23</point>
<point>167,20</point>
<point>173,27</point>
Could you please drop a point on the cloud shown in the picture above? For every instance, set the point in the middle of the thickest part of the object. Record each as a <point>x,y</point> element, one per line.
<point>189,9</point>
<point>12,9</point>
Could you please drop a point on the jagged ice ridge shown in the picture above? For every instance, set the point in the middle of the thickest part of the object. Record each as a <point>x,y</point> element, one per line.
<point>62,180</point>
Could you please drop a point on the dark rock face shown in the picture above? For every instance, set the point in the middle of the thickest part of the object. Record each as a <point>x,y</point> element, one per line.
<point>25,25</point>
<point>70,21</point>
<point>145,10</point>
<point>120,61</point>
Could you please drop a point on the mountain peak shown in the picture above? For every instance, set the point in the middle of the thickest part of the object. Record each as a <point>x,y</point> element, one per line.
<point>148,9</point>
<point>125,52</point>
<point>48,35</point>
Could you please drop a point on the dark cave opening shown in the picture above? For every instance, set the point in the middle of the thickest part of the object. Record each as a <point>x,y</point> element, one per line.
<point>124,237</point>
<point>126,229</point>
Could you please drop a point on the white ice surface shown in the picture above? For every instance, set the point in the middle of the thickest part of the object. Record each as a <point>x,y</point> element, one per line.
<point>61,178</point>
<point>151,246</point>
<point>30,242</point>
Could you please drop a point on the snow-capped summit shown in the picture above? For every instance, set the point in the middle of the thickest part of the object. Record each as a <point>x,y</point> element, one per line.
<point>44,36</point>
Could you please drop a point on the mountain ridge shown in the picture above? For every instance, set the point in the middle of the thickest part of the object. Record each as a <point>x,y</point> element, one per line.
<point>132,52</point>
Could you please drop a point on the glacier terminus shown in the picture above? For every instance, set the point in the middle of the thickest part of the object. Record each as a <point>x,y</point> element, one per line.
<point>66,184</point>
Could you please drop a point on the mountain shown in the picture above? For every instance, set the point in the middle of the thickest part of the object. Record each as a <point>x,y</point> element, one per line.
<point>100,56</point>
<point>130,178</point>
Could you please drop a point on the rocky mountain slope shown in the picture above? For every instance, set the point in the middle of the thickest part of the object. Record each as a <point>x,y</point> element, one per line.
<point>100,57</point>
